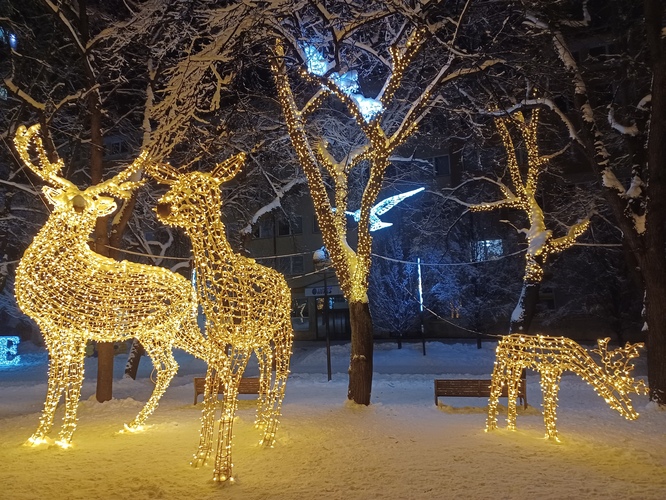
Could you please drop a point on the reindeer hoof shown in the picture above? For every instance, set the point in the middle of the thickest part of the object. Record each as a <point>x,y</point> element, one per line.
<point>200,458</point>
<point>36,440</point>
<point>219,477</point>
<point>64,444</point>
<point>133,427</point>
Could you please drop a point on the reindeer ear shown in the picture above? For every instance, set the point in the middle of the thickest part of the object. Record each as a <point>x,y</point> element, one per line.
<point>229,168</point>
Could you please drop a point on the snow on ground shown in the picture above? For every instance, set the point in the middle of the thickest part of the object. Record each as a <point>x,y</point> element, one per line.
<point>399,447</point>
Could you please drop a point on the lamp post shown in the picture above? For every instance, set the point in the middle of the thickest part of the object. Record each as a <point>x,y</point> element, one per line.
<point>321,259</point>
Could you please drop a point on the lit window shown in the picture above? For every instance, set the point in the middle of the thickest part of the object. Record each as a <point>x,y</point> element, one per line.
<point>488,250</point>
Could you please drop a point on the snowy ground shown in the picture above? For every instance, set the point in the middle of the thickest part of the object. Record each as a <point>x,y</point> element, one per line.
<point>400,447</point>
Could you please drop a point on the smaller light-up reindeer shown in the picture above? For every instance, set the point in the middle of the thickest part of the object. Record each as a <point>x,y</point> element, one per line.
<point>76,295</point>
<point>551,356</point>
<point>247,307</point>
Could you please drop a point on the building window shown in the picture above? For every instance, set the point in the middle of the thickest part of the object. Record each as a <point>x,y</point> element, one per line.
<point>116,147</point>
<point>290,265</point>
<point>442,165</point>
<point>283,227</point>
<point>294,225</point>
<point>487,250</point>
<point>265,228</point>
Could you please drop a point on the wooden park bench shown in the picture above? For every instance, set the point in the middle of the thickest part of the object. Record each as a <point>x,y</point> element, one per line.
<point>476,388</point>
<point>248,385</point>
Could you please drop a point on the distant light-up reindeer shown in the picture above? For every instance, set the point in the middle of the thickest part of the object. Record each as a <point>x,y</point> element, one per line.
<point>76,295</point>
<point>247,307</point>
<point>551,356</point>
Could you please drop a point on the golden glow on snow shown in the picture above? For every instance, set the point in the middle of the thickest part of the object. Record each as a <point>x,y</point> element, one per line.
<point>247,308</point>
<point>551,356</point>
<point>76,295</point>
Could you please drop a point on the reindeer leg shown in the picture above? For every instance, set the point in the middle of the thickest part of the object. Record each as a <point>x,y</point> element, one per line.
<point>223,465</point>
<point>72,395</point>
<point>208,416</point>
<point>55,387</point>
<point>282,355</point>
<point>550,380</point>
<point>265,357</point>
<point>498,379</point>
<point>512,393</point>
<point>166,368</point>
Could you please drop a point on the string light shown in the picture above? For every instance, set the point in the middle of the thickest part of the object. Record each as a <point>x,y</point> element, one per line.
<point>247,308</point>
<point>551,356</point>
<point>76,295</point>
<point>352,267</point>
<point>540,241</point>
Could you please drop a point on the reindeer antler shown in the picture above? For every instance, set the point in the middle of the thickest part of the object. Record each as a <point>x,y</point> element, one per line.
<point>119,185</point>
<point>616,362</point>
<point>44,168</point>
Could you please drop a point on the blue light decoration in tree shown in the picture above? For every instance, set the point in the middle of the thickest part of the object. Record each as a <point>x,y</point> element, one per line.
<point>347,82</point>
<point>9,351</point>
<point>382,207</point>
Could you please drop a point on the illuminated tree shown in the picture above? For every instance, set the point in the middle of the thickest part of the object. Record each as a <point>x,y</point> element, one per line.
<point>602,68</point>
<point>335,78</point>
<point>521,193</point>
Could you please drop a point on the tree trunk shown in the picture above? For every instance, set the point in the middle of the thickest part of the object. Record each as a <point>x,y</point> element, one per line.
<point>522,316</point>
<point>360,365</point>
<point>655,311</point>
<point>105,350</point>
<point>133,359</point>
<point>653,265</point>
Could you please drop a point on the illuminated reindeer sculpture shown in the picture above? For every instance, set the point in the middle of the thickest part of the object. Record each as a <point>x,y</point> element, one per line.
<point>550,356</point>
<point>247,308</point>
<point>76,295</point>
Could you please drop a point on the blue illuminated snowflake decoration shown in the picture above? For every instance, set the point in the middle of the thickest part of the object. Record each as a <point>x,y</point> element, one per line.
<point>347,82</point>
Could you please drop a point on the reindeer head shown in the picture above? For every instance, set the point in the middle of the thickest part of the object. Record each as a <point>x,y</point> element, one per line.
<point>192,195</point>
<point>617,368</point>
<point>82,206</point>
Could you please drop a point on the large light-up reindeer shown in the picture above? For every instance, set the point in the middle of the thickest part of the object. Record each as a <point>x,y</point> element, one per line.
<point>247,308</point>
<point>76,295</point>
<point>551,356</point>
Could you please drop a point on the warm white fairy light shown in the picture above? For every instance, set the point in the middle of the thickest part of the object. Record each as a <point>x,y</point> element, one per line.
<point>76,295</point>
<point>551,356</point>
<point>540,241</point>
<point>352,267</point>
<point>247,308</point>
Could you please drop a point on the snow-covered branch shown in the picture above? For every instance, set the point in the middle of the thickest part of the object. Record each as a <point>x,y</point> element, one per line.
<point>631,130</point>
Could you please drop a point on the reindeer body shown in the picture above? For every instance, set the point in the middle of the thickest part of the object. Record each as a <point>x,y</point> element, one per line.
<point>76,295</point>
<point>551,356</point>
<point>247,308</point>
<point>67,271</point>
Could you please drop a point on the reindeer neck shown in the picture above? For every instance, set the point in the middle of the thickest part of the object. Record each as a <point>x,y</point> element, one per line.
<point>209,242</point>
<point>59,227</point>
